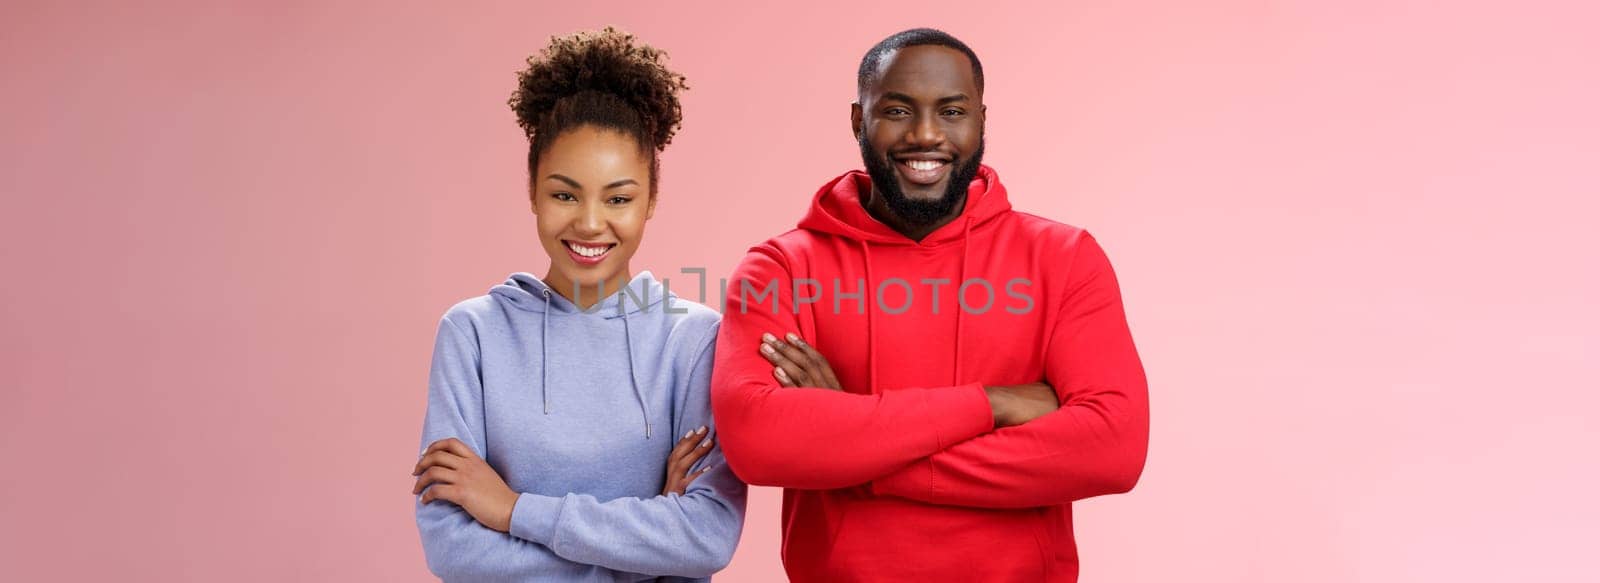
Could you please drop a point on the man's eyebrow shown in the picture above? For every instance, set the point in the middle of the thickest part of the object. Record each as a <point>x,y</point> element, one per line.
<point>898,96</point>
<point>569,181</point>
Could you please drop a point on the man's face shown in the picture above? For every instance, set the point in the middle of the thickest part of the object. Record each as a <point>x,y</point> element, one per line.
<point>920,127</point>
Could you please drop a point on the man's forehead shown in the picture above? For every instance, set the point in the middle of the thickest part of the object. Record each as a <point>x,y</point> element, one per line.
<point>932,69</point>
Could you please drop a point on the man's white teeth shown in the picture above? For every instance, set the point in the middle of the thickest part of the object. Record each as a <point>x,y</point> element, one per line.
<point>924,164</point>
<point>588,251</point>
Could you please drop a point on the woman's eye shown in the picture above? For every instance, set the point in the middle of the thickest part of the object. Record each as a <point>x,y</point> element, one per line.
<point>619,200</point>
<point>564,196</point>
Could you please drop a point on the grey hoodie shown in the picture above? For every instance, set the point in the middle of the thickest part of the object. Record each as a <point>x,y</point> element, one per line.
<point>578,410</point>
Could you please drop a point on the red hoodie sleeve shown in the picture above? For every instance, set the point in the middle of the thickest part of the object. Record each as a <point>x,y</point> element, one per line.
<point>812,438</point>
<point>1095,444</point>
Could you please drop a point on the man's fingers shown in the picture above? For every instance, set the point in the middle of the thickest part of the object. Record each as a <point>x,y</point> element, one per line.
<point>774,352</point>
<point>824,371</point>
<point>802,370</point>
<point>783,377</point>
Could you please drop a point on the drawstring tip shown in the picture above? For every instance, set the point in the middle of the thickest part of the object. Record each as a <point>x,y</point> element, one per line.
<point>647,431</point>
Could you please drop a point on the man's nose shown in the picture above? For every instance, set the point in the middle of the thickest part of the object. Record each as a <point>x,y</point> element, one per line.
<point>925,132</point>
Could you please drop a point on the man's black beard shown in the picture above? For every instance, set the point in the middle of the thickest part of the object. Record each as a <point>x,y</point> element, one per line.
<point>920,213</point>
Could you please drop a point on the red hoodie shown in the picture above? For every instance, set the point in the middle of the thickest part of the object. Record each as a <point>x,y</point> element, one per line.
<point>903,477</point>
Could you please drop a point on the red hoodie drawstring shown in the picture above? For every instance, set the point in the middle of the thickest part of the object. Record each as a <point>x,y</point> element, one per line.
<point>872,347</point>
<point>966,244</point>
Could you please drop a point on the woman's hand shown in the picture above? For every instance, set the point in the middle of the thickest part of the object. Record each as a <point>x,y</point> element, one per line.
<point>694,445</point>
<point>797,364</point>
<point>458,475</point>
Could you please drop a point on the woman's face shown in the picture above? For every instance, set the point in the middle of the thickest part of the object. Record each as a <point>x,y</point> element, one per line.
<point>591,198</point>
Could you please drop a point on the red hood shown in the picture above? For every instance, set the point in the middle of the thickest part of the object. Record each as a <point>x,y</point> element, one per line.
<point>837,210</point>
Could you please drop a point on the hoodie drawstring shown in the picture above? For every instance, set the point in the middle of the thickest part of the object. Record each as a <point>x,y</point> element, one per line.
<point>966,244</point>
<point>869,299</point>
<point>544,352</point>
<point>633,369</point>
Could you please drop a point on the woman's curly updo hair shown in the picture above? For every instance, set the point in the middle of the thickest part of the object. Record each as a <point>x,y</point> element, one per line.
<point>602,79</point>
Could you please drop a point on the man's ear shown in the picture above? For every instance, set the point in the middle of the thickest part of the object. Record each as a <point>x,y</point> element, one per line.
<point>855,120</point>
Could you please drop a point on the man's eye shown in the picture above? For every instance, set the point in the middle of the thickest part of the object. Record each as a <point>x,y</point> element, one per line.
<point>953,112</point>
<point>896,111</point>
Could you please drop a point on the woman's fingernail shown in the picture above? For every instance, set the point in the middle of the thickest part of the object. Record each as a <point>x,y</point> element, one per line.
<point>781,372</point>
<point>769,338</point>
<point>766,348</point>
<point>701,430</point>
<point>795,338</point>
<point>705,442</point>
<point>686,434</point>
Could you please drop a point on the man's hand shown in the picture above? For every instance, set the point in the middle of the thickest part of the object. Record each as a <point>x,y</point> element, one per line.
<point>458,475</point>
<point>694,445</point>
<point>1018,404</point>
<point>797,364</point>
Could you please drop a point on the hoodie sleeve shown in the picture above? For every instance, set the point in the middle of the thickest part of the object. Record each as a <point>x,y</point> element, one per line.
<point>692,535</point>
<point>457,547</point>
<point>1094,444</point>
<point>813,438</point>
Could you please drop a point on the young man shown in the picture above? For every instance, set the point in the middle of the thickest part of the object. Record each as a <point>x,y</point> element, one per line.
<point>932,377</point>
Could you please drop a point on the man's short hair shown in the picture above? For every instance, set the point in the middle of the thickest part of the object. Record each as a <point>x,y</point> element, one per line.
<point>868,73</point>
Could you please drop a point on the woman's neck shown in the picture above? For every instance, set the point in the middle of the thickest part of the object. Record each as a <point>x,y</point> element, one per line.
<point>586,296</point>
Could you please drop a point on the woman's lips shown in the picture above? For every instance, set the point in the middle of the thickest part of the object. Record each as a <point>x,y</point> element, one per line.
<point>588,253</point>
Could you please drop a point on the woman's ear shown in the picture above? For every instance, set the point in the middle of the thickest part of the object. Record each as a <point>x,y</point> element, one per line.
<point>650,208</point>
<point>533,201</point>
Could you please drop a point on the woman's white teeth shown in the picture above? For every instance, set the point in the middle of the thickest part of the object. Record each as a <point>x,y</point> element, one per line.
<point>924,164</point>
<point>587,251</point>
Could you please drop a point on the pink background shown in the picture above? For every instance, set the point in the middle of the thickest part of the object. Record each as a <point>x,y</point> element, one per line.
<point>1356,241</point>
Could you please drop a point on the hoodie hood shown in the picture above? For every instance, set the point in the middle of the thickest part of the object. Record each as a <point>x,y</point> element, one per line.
<point>526,291</point>
<point>837,210</point>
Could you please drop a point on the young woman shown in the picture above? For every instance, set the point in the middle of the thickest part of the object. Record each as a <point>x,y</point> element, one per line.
<point>568,434</point>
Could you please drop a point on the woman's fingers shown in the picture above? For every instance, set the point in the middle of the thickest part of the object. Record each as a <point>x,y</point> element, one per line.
<point>695,474</point>
<point>451,445</point>
<point>438,458</point>
<point>700,450</point>
<point>683,456</point>
<point>431,476</point>
<point>439,492</point>
<point>685,445</point>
